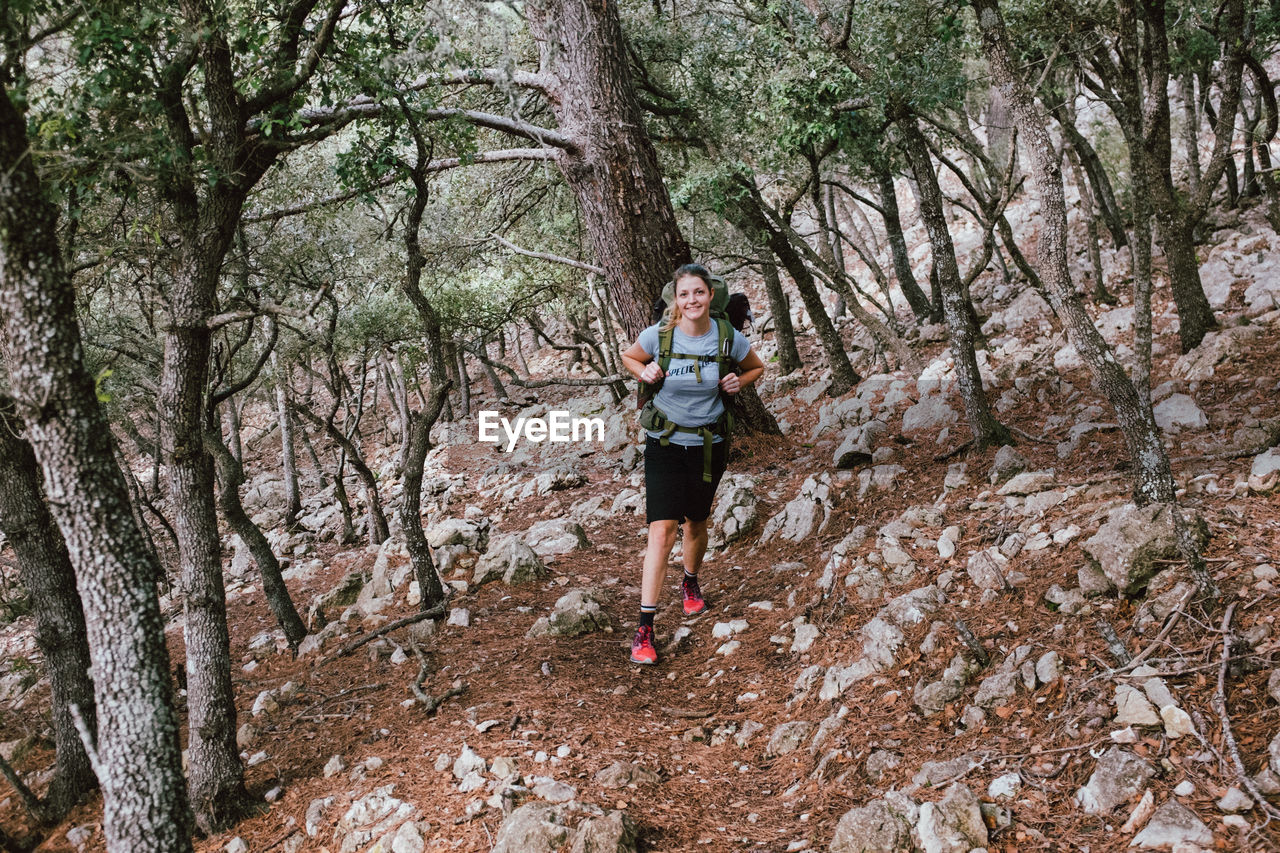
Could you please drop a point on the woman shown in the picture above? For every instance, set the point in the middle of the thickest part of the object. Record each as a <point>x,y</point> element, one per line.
<point>684,454</point>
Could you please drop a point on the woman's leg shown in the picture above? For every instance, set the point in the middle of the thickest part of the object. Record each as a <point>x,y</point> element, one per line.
<point>662,538</point>
<point>694,545</point>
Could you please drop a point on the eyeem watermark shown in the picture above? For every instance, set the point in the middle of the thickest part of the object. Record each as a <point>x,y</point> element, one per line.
<point>556,426</point>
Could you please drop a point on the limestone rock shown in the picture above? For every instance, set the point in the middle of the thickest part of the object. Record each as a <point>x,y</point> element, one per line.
<point>1008,462</point>
<point>371,817</point>
<point>1118,776</point>
<point>1126,547</point>
<point>1133,709</point>
<point>878,762</point>
<point>622,774</point>
<point>874,828</point>
<point>560,478</point>
<point>1028,483</point>
<point>1173,824</point>
<point>954,824</point>
<point>1179,412</point>
<point>877,480</point>
<point>932,698</point>
<point>1229,345</point>
<point>532,828</point>
<point>859,444</point>
<point>931,412</point>
<point>474,535</point>
<point>577,612</point>
<point>804,516</point>
<point>408,839</point>
<point>788,737</point>
<point>555,536</point>
<point>1264,474</point>
<point>987,569</point>
<point>736,511</point>
<point>510,560</point>
<point>614,832</point>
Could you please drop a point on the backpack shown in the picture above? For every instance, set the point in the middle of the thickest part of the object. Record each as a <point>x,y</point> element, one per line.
<point>723,306</point>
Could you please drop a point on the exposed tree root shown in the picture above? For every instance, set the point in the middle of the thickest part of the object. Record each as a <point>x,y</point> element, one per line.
<point>431,703</point>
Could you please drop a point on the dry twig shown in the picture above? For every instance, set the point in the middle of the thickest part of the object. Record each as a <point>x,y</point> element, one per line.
<point>1228,739</point>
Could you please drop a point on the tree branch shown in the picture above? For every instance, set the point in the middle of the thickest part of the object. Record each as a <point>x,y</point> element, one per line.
<point>547,256</point>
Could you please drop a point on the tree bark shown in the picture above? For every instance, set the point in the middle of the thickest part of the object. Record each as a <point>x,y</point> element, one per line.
<point>986,430</point>
<point>747,213</point>
<point>1095,171</point>
<point>898,245</point>
<point>378,531</point>
<point>143,789</point>
<point>46,571</point>
<point>612,167</point>
<point>784,334</point>
<point>231,473</point>
<point>1153,479</point>
<point>288,456</point>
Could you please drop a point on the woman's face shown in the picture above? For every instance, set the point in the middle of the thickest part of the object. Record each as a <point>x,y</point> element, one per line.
<point>693,297</point>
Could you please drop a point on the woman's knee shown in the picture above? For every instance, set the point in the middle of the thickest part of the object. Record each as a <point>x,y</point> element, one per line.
<point>664,531</point>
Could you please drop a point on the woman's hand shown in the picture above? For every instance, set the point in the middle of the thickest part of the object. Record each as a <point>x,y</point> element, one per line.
<point>652,373</point>
<point>730,384</point>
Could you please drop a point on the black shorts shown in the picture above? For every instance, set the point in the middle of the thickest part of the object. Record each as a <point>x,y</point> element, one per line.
<point>674,488</point>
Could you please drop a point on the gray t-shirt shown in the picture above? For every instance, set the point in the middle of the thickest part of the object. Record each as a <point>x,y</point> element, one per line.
<point>682,397</point>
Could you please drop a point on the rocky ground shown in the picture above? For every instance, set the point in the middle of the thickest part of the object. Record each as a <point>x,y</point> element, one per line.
<point>906,648</point>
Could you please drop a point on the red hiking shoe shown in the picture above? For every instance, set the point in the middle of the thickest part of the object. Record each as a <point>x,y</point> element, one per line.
<point>642,650</point>
<point>693,603</point>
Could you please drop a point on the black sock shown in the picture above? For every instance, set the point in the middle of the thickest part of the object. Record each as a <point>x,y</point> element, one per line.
<point>646,615</point>
<point>689,577</point>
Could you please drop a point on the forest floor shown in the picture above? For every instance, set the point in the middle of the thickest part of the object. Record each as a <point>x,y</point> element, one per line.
<point>568,707</point>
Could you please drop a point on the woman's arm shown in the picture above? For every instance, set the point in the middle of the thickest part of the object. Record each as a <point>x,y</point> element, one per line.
<point>752,369</point>
<point>641,365</point>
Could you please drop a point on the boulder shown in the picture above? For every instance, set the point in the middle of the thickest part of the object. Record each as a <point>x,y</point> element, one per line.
<point>459,531</point>
<point>532,828</point>
<point>555,536</point>
<point>931,698</point>
<point>804,516</point>
<point>613,832</point>
<point>788,737</point>
<point>1264,474</point>
<point>881,478</point>
<point>1007,463</point>
<point>736,513</point>
<point>1179,412</point>
<point>576,612</point>
<point>931,412</point>
<point>510,560</point>
<point>371,817</point>
<point>859,444</point>
<point>874,828</point>
<point>1229,346</point>
<point>1171,825</point>
<point>987,569</point>
<point>1126,547</point>
<point>1118,776</point>
<point>954,824</point>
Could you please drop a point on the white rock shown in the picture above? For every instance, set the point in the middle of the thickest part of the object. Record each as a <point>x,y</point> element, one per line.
<point>1185,788</point>
<point>334,766</point>
<point>1005,787</point>
<point>237,845</point>
<point>1133,709</point>
<point>1177,722</point>
<point>469,761</point>
<point>723,630</point>
<point>1235,800</point>
<point>1179,412</point>
<point>729,648</point>
<point>1173,824</point>
<point>460,617</point>
<point>805,636</point>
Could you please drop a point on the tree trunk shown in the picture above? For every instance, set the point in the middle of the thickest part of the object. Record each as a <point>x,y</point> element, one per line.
<point>46,571</point>
<point>898,244</point>
<point>144,806</point>
<point>1096,172</point>
<point>378,531</point>
<point>612,167</point>
<point>1089,215</point>
<point>231,473</point>
<point>986,430</point>
<point>288,456</point>
<point>1190,128</point>
<point>748,215</point>
<point>784,334</point>
<point>344,503</point>
<point>1153,479</point>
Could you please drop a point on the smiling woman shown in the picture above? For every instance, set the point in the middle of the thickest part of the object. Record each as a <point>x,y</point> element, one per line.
<point>696,360</point>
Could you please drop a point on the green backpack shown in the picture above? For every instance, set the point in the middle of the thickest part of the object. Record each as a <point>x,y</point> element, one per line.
<point>651,417</point>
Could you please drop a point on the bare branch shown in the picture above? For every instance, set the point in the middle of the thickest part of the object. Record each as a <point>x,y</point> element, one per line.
<point>547,256</point>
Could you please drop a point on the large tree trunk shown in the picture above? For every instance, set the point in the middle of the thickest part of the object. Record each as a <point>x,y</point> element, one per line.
<point>143,790</point>
<point>612,167</point>
<point>45,567</point>
<point>986,430</point>
<point>231,473</point>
